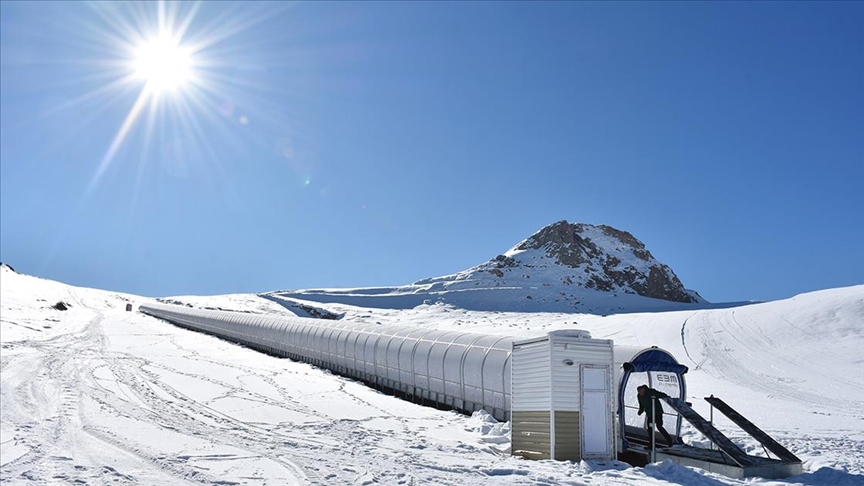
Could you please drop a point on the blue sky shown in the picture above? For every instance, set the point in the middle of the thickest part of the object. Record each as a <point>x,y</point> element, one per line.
<point>369,144</point>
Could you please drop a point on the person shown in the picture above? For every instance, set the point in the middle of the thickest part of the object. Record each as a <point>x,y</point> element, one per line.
<point>646,404</point>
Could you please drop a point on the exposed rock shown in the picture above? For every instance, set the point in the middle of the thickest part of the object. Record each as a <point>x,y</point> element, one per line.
<point>598,258</point>
<point>317,312</point>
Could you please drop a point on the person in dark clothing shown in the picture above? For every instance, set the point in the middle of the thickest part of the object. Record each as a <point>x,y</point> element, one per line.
<point>646,404</point>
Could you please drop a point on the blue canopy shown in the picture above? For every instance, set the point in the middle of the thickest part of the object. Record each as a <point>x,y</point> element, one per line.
<point>655,359</point>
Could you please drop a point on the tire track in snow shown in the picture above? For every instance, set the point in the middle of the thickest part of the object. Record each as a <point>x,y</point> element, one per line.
<point>54,391</point>
<point>184,415</point>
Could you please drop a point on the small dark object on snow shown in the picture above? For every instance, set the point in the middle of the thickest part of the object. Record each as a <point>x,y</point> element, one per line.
<point>62,306</point>
<point>128,307</point>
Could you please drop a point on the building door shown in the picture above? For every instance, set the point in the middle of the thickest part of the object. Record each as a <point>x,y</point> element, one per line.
<point>596,414</point>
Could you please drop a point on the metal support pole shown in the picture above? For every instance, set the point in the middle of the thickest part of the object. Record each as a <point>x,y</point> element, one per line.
<point>711,421</point>
<point>651,421</point>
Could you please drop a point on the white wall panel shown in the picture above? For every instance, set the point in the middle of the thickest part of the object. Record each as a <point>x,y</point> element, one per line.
<point>566,379</point>
<point>531,378</point>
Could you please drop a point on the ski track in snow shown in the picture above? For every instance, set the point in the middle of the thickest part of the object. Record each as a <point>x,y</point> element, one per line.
<point>725,341</point>
<point>97,395</point>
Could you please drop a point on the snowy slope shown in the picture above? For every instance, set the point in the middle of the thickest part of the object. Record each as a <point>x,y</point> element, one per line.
<point>98,395</point>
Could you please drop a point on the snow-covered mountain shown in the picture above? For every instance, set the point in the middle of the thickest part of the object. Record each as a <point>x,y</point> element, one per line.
<point>564,267</point>
<point>579,255</point>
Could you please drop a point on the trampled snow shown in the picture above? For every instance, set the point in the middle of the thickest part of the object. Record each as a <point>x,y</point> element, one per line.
<point>98,395</point>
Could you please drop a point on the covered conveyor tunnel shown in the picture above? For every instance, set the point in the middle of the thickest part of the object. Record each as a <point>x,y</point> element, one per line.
<point>447,369</point>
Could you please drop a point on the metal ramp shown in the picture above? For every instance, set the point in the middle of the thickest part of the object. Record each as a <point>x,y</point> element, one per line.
<point>709,431</point>
<point>728,459</point>
<point>767,441</point>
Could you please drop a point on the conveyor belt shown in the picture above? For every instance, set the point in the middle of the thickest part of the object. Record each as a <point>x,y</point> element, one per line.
<point>721,441</point>
<point>769,443</point>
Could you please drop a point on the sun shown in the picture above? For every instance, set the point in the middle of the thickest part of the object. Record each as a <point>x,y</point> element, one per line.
<point>163,63</point>
<point>177,64</point>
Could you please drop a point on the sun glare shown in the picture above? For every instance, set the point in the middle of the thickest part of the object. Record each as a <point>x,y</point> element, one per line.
<point>174,63</point>
<point>163,64</point>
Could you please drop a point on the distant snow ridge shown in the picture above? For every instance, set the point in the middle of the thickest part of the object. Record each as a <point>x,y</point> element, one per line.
<point>567,254</point>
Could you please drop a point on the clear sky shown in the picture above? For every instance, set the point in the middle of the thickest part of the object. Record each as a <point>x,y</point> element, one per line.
<point>255,147</point>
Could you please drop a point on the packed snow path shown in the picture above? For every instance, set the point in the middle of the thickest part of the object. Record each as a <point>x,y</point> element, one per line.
<point>97,395</point>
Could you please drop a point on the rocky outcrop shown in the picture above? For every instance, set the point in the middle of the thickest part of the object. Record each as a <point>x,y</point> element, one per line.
<point>596,257</point>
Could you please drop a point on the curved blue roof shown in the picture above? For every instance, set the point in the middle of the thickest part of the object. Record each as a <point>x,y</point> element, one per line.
<point>655,360</point>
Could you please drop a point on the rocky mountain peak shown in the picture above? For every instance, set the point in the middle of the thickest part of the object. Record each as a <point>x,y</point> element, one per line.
<point>596,257</point>
<point>571,243</point>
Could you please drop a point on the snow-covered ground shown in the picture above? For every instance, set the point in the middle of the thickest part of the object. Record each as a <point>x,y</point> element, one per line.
<point>98,395</point>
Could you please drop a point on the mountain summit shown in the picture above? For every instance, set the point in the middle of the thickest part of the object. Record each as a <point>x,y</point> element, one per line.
<point>564,267</point>
<point>594,257</point>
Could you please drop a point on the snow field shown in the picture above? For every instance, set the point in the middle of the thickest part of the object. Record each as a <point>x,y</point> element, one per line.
<point>98,395</point>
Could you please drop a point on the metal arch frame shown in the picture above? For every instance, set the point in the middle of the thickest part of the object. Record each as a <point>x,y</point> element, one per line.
<point>366,335</point>
<point>278,333</point>
<point>336,337</point>
<point>508,364</point>
<point>462,367</point>
<point>375,371</point>
<point>389,333</point>
<point>291,344</point>
<point>330,343</point>
<point>267,330</point>
<point>414,359</point>
<point>300,337</point>
<point>398,367</point>
<point>361,333</point>
<point>457,335</point>
<point>483,369</point>
<point>622,386</point>
<point>333,348</point>
<point>482,350</point>
<point>414,347</point>
<point>319,343</point>
<point>428,370</point>
<point>346,334</point>
<point>461,384</point>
